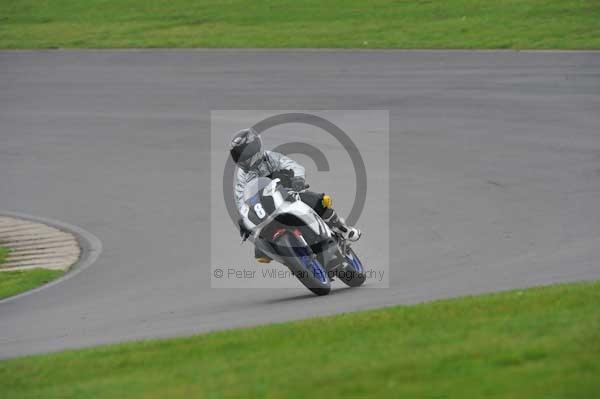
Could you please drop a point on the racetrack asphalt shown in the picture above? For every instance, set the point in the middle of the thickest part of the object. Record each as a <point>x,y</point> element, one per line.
<point>494,178</point>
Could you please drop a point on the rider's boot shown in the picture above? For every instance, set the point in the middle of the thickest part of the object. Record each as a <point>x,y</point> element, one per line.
<point>339,226</point>
<point>260,256</point>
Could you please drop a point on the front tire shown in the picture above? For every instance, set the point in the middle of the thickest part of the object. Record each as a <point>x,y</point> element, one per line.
<point>308,269</point>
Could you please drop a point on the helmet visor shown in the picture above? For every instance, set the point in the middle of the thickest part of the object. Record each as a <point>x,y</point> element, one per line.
<point>250,162</point>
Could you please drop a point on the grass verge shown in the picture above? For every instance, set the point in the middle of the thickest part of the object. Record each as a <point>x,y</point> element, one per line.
<point>535,343</point>
<point>3,254</point>
<point>15,282</point>
<point>542,24</point>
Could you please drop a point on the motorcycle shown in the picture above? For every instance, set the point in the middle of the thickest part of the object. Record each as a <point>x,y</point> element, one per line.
<point>293,234</point>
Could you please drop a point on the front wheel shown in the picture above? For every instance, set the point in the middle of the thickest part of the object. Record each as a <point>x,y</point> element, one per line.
<point>307,268</point>
<point>353,274</point>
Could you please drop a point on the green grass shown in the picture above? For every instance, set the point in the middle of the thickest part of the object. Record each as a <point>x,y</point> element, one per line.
<point>542,24</point>
<point>3,254</point>
<point>536,343</point>
<point>15,282</point>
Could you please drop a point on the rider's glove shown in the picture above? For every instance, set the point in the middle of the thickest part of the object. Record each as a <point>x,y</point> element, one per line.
<point>298,183</point>
<point>244,232</point>
<point>285,177</point>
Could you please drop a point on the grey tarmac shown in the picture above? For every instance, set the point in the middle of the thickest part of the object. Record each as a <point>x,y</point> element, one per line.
<point>494,178</point>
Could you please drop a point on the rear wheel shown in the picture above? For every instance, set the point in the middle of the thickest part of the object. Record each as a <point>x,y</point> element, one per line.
<point>353,274</point>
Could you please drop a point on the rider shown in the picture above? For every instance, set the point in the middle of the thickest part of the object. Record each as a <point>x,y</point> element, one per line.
<point>253,162</point>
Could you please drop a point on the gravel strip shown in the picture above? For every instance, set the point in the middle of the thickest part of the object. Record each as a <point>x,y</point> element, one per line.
<point>35,245</point>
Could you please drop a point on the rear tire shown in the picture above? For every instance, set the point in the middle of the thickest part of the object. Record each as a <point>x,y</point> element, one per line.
<point>353,274</point>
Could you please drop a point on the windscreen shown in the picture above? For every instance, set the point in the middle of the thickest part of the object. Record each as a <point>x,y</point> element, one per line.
<point>255,187</point>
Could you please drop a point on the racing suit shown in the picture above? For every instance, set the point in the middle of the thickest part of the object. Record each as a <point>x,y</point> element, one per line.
<point>272,163</point>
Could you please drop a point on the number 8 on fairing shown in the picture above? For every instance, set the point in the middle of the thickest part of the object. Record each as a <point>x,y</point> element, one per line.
<point>260,212</point>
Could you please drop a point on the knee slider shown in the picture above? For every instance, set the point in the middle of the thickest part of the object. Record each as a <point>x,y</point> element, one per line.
<point>326,201</point>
